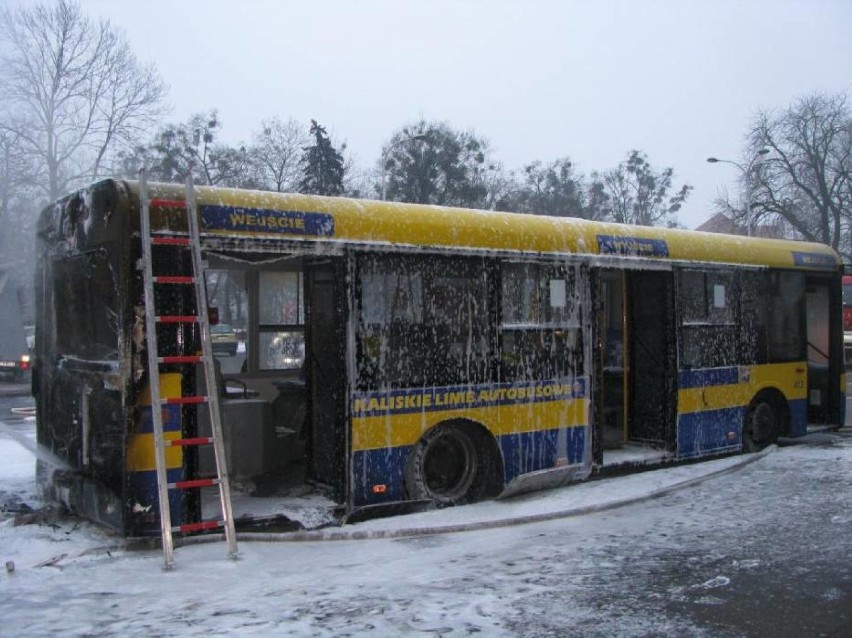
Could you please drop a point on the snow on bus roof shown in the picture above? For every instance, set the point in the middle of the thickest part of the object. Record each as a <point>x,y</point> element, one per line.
<point>271,215</point>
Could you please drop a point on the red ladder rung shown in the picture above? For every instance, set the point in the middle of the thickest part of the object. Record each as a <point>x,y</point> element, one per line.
<point>184,358</point>
<point>177,318</point>
<point>187,528</point>
<point>198,440</point>
<point>163,240</point>
<point>184,400</point>
<point>167,203</point>
<point>173,279</point>
<point>190,484</point>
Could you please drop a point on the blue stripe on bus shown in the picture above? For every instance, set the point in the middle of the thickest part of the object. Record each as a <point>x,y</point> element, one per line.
<point>379,467</point>
<point>523,452</point>
<point>145,494</point>
<point>632,246</point>
<point>261,220</point>
<point>532,451</point>
<point>700,433</point>
<point>814,260</point>
<point>707,377</point>
<point>798,417</point>
<point>707,432</point>
<point>171,419</point>
<point>409,400</point>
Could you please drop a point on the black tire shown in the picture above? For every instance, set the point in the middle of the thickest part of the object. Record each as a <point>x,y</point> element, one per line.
<point>444,466</point>
<point>762,425</point>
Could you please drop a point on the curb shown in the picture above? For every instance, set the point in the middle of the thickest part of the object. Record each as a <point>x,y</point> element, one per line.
<point>341,534</point>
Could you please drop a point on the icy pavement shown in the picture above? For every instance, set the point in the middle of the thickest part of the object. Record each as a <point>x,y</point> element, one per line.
<point>573,500</point>
<point>651,568</point>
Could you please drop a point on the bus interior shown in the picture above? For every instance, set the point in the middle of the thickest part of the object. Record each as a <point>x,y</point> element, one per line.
<point>282,388</point>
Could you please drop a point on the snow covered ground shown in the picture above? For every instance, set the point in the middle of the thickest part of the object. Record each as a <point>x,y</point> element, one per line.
<point>672,565</point>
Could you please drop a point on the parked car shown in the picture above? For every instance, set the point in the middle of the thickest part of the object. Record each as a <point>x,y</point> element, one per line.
<point>224,339</point>
<point>14,353</point>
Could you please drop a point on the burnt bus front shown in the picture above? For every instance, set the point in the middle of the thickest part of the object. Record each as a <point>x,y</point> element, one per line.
<point>89,374</point>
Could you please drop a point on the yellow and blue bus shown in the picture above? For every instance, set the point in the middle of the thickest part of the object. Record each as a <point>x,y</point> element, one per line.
<point>390,353</point>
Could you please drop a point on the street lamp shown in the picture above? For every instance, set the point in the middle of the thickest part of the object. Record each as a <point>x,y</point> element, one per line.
<point>385,153</point>
<point>747,172</point>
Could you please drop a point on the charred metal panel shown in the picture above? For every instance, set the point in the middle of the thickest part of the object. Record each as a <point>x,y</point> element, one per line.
<point>82,375</point>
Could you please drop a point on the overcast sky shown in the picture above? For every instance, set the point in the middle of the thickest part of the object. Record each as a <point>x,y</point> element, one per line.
<point>540,80</point>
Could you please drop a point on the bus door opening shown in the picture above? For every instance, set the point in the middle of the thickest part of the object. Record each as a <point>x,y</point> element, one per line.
<point>638,364</point>
<point>325,370</point>
<point>825,362</point>
<point>652,365</point>
<point>613,355</point>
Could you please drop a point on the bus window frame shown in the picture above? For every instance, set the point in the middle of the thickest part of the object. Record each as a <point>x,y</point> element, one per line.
<point>515,336</point>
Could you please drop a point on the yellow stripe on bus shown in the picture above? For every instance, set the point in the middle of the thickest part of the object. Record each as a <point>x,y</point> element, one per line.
<point>394,430</point>
<point>789,378</point>
<point>170,387</point>
<point>140,452</point>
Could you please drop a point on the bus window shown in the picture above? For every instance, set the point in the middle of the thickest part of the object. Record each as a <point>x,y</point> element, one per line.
<point>86,298</point>
<point>226,292</point>
<point>709,334</point>
<point>540,322</point>
<point>752,318</point>
<point>281,321</point>
<point>421,322</point>
<point>785,317</point>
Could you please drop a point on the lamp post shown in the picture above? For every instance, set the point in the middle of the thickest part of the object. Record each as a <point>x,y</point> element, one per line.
<point>385,153</point>
<point>746,171</point>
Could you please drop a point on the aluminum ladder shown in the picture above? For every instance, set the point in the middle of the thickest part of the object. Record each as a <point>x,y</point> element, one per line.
<point>153,284</point>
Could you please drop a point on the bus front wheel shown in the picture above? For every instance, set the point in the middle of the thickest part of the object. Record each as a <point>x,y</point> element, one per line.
<point>444,466</point>
<point>761,426</point>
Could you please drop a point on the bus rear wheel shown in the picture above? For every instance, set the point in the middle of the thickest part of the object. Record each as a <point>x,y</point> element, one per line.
<point>444,466</point>
<point>761,425</point>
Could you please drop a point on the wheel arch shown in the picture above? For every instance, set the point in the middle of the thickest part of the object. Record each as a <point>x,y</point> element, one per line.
<point>778,399</point>
<point>490,472</point>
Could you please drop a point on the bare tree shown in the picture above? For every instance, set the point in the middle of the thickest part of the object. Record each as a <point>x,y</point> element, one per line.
<point>73,91</point>
<point>14,175</point>
<point>805,178</point>
<point>277,152</point>
<point>18,208</point>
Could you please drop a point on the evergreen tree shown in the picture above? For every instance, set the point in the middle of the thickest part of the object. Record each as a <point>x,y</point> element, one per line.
<point>324,168</point>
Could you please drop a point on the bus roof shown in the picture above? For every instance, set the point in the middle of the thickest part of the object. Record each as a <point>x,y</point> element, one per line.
<point>270,215</point>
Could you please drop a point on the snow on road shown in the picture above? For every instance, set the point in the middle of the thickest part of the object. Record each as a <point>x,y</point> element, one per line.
<point>597,574</point>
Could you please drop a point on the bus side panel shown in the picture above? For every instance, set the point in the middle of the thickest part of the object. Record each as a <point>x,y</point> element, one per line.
<point>713,404</point>
<point>527,452</point>
<point>533,432</point>
<point>141,466</point>
<point>522,453</point>
<point>80,435</point>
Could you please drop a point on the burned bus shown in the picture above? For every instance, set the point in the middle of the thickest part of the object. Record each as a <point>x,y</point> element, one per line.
<point>373,354</point>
